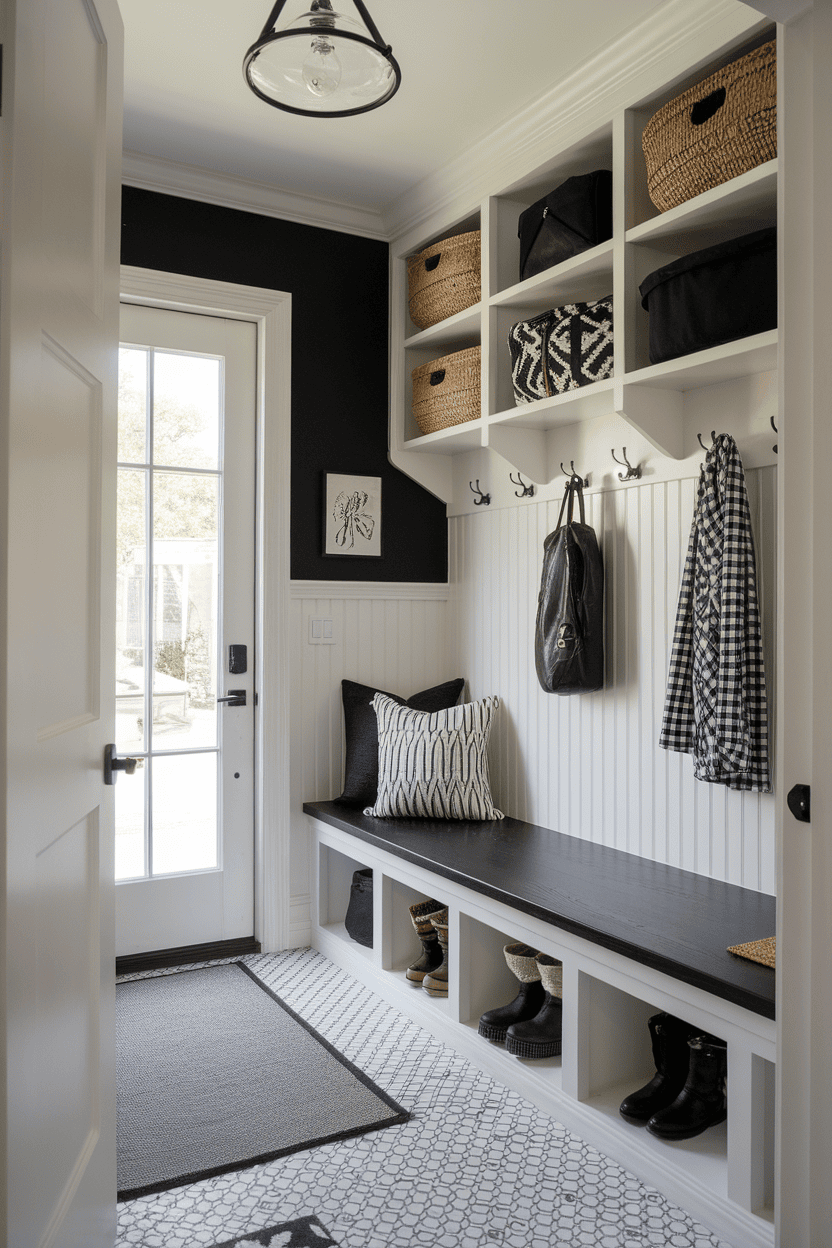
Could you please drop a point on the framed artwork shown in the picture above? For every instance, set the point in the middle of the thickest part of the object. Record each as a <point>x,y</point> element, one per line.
<point>352,515</point>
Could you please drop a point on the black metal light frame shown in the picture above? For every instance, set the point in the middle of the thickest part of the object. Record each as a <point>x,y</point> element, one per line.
<point>269,35</point>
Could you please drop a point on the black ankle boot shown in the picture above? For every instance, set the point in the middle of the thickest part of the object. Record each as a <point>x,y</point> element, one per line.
<point>495,1023</point>
<point>703,1101</point>
<point>541,1036</point>
<point>669,1037</point>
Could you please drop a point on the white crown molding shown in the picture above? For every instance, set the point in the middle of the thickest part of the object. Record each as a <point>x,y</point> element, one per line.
<point>151,173</point>
<point>660,47</point>
<point>378,591</point>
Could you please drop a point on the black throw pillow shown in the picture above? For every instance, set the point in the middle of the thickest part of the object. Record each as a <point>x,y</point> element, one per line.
<point>361,733</point>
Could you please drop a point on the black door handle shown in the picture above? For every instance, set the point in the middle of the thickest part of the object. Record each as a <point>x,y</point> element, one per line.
<point>799,802</point>
<point>236,697</point>
<point>113,763</point>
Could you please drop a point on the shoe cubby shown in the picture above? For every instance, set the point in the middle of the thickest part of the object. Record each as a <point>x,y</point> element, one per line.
<point>486,981</point>
<point>651,398</point>
<point>335,872</point>
<point>400,944</point>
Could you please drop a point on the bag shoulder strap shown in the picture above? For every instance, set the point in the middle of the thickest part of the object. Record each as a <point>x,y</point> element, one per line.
<point>573,489</point>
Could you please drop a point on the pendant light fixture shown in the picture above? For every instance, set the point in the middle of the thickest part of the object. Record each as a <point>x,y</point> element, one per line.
<point>322,64</point>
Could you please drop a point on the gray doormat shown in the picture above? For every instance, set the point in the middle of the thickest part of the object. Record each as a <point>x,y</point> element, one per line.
<point>302,1233</point>
<point>214,1072</point>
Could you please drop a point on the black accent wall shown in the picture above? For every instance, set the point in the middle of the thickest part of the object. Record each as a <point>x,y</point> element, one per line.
<point>339,288</point>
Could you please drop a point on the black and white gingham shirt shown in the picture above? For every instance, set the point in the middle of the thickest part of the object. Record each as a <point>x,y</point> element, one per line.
<point>715,707</point>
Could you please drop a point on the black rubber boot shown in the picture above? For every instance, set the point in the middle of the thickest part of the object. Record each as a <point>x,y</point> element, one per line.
<point>703,1101</point>
<point>541,1036</point>
<point>495,1023</point>
<point>420,916</point>
<point>671,1054</point>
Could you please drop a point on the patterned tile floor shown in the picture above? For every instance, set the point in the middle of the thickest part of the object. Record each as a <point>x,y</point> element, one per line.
<point>476,1167</point>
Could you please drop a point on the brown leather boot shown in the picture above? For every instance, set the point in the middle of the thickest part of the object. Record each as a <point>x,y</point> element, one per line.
<point>420,916</point>
<point>436,982</point>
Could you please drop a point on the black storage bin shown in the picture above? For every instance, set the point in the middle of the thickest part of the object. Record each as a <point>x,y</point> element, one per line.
<point>712,296</point>
<point>572,218</point>
<point>359,917</point>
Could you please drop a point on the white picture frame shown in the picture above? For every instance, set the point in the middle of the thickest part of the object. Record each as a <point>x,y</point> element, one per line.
<point>352,516</point>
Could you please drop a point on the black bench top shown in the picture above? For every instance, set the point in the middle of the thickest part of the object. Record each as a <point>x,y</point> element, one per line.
<point>672,920</point>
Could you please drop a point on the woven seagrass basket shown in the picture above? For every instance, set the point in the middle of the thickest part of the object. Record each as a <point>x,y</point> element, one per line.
<point>447,391</point>
<point>722,127</point>
<point>444,279</point>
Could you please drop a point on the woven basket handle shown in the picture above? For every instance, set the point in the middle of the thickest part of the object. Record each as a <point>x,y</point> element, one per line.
<point>432,262</point>
<point>704,110</point>
<point>438,377</point>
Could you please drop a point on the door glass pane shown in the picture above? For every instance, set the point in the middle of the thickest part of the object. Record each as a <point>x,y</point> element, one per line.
<point>132,405</point>
<point>130,610</point>
<point>184,817</point>
<point>185,586</point>
<point>130,842</point>
<point>186,410</point>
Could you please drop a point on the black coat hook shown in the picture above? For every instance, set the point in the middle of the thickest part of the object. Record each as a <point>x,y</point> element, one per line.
<point>583,480</point>
<point>632,474</point>
<point>702,444</point>
<point>525,491</point>
<point>776,430</point>
<point>484,499</point>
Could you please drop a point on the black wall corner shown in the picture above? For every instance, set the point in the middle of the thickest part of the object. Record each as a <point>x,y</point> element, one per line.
<point>340,388</point>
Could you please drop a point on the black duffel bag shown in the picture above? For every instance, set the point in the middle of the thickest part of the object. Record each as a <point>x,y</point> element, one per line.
<point>359,917</point>
<point>569,633</point>
<point>572,218</point>
<point>712,296</point>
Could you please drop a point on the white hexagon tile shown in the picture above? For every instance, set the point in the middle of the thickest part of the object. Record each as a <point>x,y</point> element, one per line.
<point>477,1166</point>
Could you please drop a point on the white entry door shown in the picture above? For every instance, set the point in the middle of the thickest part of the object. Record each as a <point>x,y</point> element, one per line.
<point>61,154</point>
<point>185,629</point>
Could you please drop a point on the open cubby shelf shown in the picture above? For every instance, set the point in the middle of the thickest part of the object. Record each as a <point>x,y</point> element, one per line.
<point>648,397</point>
<point>724,1176</point>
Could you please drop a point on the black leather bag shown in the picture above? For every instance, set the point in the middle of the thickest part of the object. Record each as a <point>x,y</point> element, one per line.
<point>569,633</point>
<point>572,218</point>
<point>359,916</point>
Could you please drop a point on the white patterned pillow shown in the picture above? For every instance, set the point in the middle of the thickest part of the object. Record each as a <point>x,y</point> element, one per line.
<point>434,765</point>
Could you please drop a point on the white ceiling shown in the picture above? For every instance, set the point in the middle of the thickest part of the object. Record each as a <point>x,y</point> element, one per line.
<point>467,67</point>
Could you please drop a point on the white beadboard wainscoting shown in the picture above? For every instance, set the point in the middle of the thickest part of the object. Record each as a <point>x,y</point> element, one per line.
<point>589,765</point>
<point>392,636</point>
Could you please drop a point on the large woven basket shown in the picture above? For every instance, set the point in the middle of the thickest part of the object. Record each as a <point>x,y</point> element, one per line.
<point>444,279</point>
<point>722,127</point>
<point>447,391</point>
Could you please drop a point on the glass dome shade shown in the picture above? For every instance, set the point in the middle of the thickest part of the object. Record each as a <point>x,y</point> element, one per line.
<point>321,64</point>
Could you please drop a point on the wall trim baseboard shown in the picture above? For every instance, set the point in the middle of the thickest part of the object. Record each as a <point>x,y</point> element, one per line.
<point>391,591</point>
<point>209,951</point>
<point>207,186</point>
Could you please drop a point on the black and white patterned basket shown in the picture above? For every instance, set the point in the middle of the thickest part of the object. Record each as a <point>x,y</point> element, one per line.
<point>561,350</point>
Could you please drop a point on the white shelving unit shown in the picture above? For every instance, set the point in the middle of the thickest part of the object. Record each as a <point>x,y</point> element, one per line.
<point>724,1177</point>
<point>651,398</point>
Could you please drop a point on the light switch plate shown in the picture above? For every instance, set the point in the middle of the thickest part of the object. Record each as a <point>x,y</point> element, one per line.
<point>321,631</point>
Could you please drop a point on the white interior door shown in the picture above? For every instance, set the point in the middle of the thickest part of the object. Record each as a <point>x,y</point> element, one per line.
<point>185,597</point>
<point>61,150</point>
